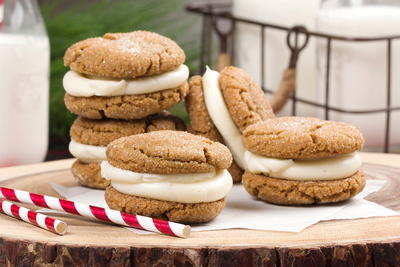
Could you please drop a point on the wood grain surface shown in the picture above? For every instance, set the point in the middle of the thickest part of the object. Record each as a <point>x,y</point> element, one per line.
<point>361,242</point>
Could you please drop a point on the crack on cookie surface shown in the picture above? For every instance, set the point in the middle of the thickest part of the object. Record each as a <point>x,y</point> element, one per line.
<point>148,68</point>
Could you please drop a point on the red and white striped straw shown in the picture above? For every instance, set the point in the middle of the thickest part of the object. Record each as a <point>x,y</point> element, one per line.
<point>29,216</point>
<point>102,214</point>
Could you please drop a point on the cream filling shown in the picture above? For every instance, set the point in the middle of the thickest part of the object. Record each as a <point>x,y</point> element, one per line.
<point>87,153</point>
<point>305,170</point>
<point>183,188</point>
<point>220,116</point>
<point>321,169</point>
<point>77,84</point>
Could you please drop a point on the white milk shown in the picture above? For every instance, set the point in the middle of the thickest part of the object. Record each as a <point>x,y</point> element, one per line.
<point>24,87</point>
<point>248,48</point>
<point>359,70</point>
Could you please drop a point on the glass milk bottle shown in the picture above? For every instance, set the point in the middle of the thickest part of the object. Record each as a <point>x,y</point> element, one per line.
<point>358,70</point>
<point>24,83</point>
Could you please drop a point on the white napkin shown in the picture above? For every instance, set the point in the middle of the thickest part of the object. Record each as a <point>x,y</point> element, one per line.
<point>244,211</point>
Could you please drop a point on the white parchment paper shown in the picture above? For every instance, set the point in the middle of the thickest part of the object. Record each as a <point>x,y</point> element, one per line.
<point>244,211</point>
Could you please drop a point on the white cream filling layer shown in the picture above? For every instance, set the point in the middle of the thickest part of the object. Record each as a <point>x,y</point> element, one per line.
<point>87,153</point>
<point>77,84</point>
<point>220,116</point>
<point>304,170</point>
<point>321,169</point>
<point>183,188</point>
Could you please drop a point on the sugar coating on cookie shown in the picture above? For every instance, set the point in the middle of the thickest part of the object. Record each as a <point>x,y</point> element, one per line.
<point>302,138</point>
<point>125,55</point>
<point>168,152</point>
<point>125,106</point>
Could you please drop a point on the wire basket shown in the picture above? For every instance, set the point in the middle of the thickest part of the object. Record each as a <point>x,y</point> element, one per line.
<point>213,13</point>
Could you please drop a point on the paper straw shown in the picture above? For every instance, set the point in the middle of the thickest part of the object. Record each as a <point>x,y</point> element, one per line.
<point>102,214</point>
<point>29,216</point>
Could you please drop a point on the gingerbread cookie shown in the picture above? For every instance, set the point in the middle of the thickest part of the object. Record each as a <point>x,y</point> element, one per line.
<point>126,106</point>
<point>242,103</point>
<point>89,139</point>
<point>297,161</point>
<point>168,152</point>
<point>290,192</point>
<point>168,174</point>
<point>308,138</point>
<point>124,75</point>
<point>244,98</point>
<point>125,55</point>
<point>165,210</point>
<point>88,174</point>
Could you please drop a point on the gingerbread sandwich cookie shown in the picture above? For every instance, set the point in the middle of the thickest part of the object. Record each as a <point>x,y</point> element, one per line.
<point>124,75</point>
<point>222,105</point>
<point>298,161</point>
<point>89,139</point>
<point>169,175</point>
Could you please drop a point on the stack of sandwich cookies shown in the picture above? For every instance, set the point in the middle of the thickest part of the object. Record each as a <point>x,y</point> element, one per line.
<point>119,85</point>
<point>169,175</point>
<point>222,105</point>
<point>124,75</point>
<point>89,139</point>
<point>296,161</point>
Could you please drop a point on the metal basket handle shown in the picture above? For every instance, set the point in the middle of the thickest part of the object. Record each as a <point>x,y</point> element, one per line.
<point>224,59</point>
<point>288,81</point>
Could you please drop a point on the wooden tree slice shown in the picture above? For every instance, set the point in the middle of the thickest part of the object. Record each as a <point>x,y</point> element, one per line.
<point>361,242</point>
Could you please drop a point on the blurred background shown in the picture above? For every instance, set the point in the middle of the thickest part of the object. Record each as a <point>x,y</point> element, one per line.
<point>336,59</point>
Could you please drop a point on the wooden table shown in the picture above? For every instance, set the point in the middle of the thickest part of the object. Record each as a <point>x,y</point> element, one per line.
<point>361,242</point>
